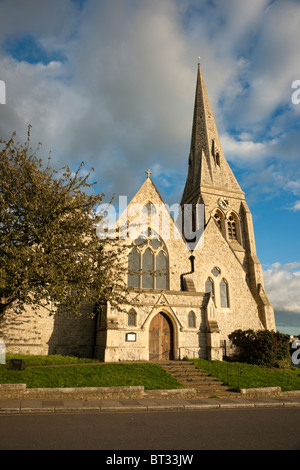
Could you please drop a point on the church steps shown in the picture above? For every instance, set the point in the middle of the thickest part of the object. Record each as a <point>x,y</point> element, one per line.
<point>195,380</point>
<point>191,377</point>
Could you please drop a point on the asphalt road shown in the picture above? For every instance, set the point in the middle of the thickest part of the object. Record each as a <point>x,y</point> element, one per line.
<point>251,429</point>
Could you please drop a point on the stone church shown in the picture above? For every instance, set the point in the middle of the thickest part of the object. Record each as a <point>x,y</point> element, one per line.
<point>185,298</point>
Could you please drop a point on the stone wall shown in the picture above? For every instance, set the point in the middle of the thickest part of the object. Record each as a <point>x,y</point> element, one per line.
<point>38,332</point>
<point>176,305</point>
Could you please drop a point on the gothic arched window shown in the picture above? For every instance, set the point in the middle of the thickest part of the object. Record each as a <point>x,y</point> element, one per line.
<point>131,318</point>
<point>148,269</point>
<point>192,319</point>
<point>148,266</point>
<point>209,286</point>
<point>161,270</point>
<point>219,219</point>
<point>224,293</point>
<point>134,267</point>
<point>232,227</point>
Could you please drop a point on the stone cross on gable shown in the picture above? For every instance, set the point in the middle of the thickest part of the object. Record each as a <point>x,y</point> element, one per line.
<point>148,172</point>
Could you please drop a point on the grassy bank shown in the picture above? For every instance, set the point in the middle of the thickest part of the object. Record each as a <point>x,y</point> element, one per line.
<point>57,374</point>
<point>240,375</point>
<point>62,371</point>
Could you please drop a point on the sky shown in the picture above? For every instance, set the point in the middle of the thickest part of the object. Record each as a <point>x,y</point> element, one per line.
<point>112,83</point>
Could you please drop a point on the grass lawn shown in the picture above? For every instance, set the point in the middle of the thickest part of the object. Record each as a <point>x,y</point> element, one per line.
<point>251,376</point>
<point>151,376</point>
<point>67,371</point>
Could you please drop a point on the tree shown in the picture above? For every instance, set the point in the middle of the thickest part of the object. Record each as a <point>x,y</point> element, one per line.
<point>50,254</point>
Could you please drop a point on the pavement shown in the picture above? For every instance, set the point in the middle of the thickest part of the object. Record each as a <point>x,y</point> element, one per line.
<point>27,406</point>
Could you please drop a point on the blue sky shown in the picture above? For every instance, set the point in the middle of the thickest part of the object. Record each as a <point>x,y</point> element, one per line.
<point>112,83</point>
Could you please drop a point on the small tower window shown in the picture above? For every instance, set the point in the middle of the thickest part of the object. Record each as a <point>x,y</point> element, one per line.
<point>232,226</point>
<point>219,219</point>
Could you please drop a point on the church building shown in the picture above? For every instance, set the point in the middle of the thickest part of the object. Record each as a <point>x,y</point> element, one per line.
<point>186,299</point>
<point>186,295</point>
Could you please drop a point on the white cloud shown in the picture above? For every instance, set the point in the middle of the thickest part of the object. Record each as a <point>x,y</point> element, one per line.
<point>296,206</point>
<point>282,284</point>
<point>244,148</point>
<point>122,100</point>
<point>293,186</point>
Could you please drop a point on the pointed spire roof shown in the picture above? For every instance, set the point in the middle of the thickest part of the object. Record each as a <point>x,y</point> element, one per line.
<point>207,164</point>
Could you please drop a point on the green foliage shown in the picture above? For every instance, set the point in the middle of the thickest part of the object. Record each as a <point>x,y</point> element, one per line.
<point>263,347</point>
<point>50,254</point>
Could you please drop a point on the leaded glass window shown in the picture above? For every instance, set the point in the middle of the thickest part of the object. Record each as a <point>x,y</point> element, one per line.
<point>161,271</point>
<point>131,318</point>
<point>148,269</point>
<point>134,266</point>
<point>224,294</point>
<point>148,263</point>
<point>215,271</point>
<point>209,286</point>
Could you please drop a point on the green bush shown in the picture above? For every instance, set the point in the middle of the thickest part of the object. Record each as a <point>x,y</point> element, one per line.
<point>263,347</point>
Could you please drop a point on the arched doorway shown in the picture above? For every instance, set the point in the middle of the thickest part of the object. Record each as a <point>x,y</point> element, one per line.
<point>161,338</point>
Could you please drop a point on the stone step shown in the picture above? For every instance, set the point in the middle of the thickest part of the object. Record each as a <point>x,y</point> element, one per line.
<point>177,364</point>
<point>208,390</point>
<point>196,379</point>
<point>179,369</point>
<point>192,377</point>
<point>199,385</point>
<point>190,373</point>
<point>180,375</point>
<point>223,394</point>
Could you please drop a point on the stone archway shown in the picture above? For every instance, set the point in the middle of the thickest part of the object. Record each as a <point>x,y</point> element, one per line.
<point>161,338</point>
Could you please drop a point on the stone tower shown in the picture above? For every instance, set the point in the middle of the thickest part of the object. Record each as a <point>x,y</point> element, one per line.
<point>211,182</point>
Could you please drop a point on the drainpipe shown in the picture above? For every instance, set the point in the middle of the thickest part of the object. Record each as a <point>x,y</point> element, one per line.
<point>192,260</point>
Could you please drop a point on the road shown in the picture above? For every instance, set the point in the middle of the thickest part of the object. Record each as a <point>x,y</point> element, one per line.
<point>251,429</point>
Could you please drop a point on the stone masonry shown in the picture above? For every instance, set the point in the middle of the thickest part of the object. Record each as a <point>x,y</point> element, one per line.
<point>205,292</point>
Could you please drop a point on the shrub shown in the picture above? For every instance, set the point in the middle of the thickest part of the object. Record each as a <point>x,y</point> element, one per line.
<point>263,347</point>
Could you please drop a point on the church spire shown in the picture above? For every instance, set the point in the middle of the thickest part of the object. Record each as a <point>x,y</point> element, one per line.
<point>207,164</point>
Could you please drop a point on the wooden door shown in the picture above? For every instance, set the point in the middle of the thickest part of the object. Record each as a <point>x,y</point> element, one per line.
<point>160,338</point>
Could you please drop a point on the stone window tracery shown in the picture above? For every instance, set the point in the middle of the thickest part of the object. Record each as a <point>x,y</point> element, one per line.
<point>220,220</point>
<point>232,227</point>
<point>218,287</point>
<point>216,271</point>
